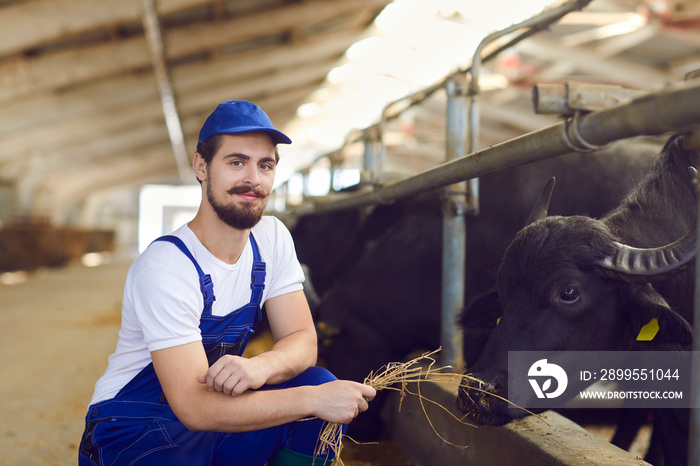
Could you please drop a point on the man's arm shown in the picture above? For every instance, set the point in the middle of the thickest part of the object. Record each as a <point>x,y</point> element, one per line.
<point>199,408</point>
<point>180,370</point>
<point>294,350</point>
<point>294,332</point>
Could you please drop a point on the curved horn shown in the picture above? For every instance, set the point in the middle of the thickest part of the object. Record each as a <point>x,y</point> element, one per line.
<point>651,264</point>
<point>539,211</point>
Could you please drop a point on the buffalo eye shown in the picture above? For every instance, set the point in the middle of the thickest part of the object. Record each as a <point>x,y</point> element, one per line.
<point>569,295</point>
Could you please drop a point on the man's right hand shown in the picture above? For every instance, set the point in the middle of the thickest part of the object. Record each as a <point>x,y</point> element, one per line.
<point>234,375</point>
<point>342,400</point>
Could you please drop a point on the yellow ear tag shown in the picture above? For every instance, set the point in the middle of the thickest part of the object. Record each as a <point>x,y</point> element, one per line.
<point>649,331</point>
<point>498,321</point>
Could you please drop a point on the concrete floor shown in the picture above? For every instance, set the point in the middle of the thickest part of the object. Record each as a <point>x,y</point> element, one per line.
<point>58,327</point>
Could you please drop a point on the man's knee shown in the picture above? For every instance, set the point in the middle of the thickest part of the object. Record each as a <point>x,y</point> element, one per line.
<point>313,376</point>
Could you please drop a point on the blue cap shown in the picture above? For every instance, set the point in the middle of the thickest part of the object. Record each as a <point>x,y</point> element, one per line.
<point>237,117</point>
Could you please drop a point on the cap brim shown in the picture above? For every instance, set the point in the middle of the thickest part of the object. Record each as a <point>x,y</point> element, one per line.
<point>278,137</point>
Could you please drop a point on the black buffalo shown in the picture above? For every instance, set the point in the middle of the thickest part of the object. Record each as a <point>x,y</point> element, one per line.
<point>378,270</point>
<point>577,283</point>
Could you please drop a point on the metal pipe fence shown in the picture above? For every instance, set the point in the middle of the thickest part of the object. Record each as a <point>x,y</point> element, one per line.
<point>673,109</point>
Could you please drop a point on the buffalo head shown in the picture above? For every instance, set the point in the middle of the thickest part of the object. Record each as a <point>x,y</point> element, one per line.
<point>568,284</point>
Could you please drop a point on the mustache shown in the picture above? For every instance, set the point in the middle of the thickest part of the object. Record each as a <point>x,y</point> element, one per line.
<point>242,189</point>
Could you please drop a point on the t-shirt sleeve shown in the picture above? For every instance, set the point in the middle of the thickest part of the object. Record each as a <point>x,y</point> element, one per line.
<point>287,275</point>
<point>166,299</point>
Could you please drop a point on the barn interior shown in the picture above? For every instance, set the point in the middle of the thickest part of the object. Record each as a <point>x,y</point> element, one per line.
<point>101,103</point>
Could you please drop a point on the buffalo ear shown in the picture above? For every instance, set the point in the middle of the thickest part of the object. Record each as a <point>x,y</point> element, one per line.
<point>646,304</point>
<point>478,319</point>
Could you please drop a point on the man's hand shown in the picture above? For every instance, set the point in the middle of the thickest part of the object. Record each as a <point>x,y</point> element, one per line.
<point>342,400</point>
<point>233,375</point>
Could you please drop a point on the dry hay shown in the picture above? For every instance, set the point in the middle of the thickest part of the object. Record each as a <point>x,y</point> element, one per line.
<point>397,376</point>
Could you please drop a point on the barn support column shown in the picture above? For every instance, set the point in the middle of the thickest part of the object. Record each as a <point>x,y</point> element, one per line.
<point>151,25</point>
<point>26,190</point>
<point>8,201</point>
<point>453,226</point>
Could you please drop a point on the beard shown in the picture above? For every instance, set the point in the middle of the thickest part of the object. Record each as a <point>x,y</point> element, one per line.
<point>241,217</point>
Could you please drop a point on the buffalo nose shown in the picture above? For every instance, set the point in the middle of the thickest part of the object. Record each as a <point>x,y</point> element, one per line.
<point>482,399</point>
<point>476,397</point>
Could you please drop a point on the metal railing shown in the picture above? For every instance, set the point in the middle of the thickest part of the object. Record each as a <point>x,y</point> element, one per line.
<point>372,136</point>
<point>672,109</point>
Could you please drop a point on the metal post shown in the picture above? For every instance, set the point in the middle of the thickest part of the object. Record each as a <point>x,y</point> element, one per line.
<point>367,175</point>
<point>333,173</point>
<point>694,435</point>
<point>305,177</point>
<point>547,17</point>
<point>381,153</point>
<point>453,226</point>
<point>474,128</point>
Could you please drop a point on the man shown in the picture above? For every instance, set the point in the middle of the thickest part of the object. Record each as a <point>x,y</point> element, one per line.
<point>176,390</point>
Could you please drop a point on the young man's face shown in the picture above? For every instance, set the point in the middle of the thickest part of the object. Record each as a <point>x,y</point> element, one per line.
<point>240,178</point>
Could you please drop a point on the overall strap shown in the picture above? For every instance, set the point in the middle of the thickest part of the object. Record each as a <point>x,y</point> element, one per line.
<point>205,283</point>
<point>257,279</point>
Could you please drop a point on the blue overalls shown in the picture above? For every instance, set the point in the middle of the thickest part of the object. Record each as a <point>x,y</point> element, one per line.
<point>137,426</point>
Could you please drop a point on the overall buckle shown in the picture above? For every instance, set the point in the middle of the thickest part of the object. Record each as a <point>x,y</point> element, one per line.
<point>207,287</point>
<point>258,275</point>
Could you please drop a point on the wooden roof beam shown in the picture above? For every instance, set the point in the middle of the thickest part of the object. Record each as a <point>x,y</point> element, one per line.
<point>95,99</point>
<point>48,186</point>
<point>143,122</point>
<point>24,76</point>
<point>609,69</point>
<point>27,25</point>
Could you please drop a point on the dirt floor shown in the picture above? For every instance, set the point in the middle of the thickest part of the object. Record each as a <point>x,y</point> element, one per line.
<point>58,328</point>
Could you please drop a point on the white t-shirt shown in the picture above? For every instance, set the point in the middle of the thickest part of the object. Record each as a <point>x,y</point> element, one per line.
<point>163,302</point>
